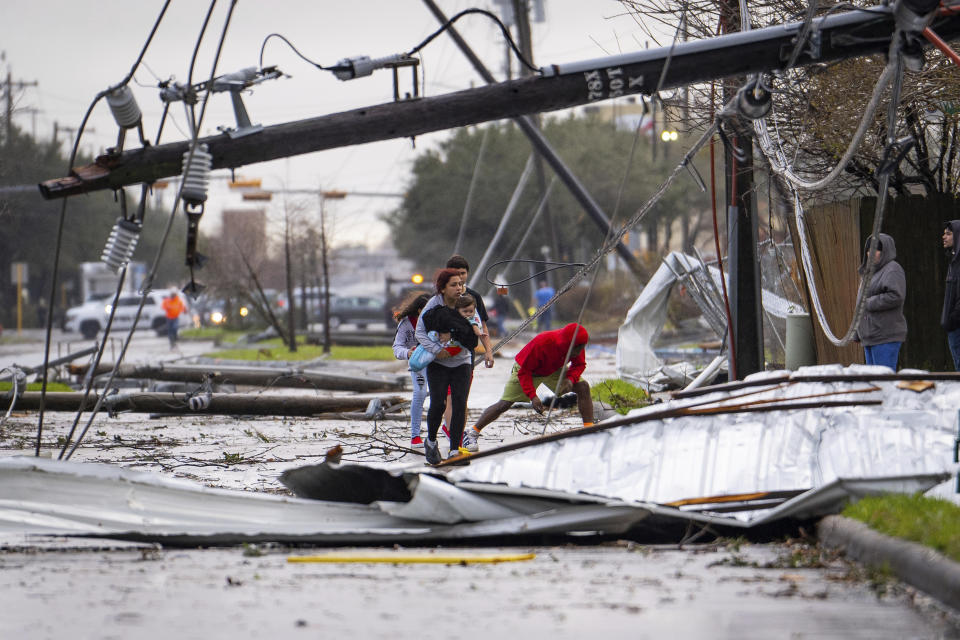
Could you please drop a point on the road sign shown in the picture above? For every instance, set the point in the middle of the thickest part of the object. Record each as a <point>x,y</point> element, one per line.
<point>18,273</point>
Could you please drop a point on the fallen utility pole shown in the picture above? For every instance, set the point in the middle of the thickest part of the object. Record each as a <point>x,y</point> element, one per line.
<point>251,376</point>
<point>54,363</point>
<point>215,404</point>
<point>838,36</point>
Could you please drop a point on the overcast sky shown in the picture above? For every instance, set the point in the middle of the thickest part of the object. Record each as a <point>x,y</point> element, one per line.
<point>76,49</point>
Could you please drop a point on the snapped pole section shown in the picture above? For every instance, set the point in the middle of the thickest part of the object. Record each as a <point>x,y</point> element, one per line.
<point>559,86</point>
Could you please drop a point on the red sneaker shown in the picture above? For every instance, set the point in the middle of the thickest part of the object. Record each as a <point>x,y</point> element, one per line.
<point>446,431</point>
<point>416,443</point>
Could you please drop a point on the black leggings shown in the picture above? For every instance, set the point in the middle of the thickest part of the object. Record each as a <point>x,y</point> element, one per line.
<point>439,378</point>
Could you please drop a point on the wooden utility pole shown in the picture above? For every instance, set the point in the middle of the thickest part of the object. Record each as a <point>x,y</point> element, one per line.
<point>9,86</point>
<point>743,265</point>
<point>840,36</point>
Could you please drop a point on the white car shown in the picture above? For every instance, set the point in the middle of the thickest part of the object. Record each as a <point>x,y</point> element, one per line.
<point>90,318</point>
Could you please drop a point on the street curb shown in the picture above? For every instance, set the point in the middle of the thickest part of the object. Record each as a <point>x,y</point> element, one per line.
<point>913,563</point>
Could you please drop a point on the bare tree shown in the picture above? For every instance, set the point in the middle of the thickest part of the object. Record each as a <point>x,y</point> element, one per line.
<point>818,107</point>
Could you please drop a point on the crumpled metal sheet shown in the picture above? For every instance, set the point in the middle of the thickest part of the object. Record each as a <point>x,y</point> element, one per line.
<point>646,317</point>
<point>664,472</point>
<point>43,497</point>
<point>666,460</point>
<point>47,497</point>
<point>56,497</point>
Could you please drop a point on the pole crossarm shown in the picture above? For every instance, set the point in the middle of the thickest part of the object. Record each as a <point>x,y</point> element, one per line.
<point>837,36</point>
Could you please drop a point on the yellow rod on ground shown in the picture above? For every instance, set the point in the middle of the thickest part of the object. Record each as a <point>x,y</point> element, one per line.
<point>416,558</point>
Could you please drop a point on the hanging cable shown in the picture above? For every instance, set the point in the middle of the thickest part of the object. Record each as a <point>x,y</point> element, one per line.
<point>153,270</point>
<point>58,246</point>
<point>473,184</point>
<point>91,372</point>
<point>633,221</point>
<point>191,100</point>
<point>896,64</point>
<point>777,158</point>
<point>18,384</point>
<point>731,343</point>
<point>503,29</point>
<point>101,348</point>
<point>533,276</point>
<point>541,206</point>
<point>511,207</point>
<point>610,243</point>
<point>263,47</point>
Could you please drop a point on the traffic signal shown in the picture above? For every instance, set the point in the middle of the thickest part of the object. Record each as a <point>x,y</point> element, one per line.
<point>416,278</point>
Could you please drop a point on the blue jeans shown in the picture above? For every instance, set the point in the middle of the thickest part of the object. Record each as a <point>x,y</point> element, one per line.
<point>172,325</point>
<point>545,321</point>
<point>419,379</point>
<point>883,354</point>
<point>953,339</point>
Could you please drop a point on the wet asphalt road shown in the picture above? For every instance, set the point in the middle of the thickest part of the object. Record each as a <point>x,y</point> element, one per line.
<point>103,589</point>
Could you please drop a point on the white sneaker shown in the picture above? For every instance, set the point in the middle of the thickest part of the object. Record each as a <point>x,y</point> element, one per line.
<point>469,441</point>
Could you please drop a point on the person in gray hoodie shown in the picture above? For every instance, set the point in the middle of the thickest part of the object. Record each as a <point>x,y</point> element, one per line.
<point>883,327</point>
<point>950,316</point>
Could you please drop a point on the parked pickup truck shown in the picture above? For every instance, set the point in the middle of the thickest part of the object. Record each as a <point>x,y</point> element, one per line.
<point>90,318</point>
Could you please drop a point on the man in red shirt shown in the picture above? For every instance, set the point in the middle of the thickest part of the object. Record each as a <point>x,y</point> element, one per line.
<point>542,361</point>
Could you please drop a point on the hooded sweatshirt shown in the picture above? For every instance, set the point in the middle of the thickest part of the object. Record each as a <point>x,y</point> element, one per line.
<point>547,352</point>
<point>950,316</point>
<point>883,319</point>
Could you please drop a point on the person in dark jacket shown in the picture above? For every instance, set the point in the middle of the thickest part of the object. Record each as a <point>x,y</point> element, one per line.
<point>883,327</point>
<point>449,371</point>
<point>950,316</point>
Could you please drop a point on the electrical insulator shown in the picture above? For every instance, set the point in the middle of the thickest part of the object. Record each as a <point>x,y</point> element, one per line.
<point>196,175</point>
<point>360,66</point>
<point>754,99</point>
<point>124,107</point>
<point>121,244</point>
<point>200,402</point>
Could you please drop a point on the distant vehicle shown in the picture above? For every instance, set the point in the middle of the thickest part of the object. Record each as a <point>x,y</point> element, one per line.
<point>358,310</point>
<point>207,310</point>
<point>90,318</point>
<point>309,303</point>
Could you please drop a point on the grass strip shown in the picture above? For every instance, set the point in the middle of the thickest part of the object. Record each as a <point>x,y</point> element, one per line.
<point>932,522</point>
<point>619,395</point>
<point>270,350</point>
<point>35,386</point>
